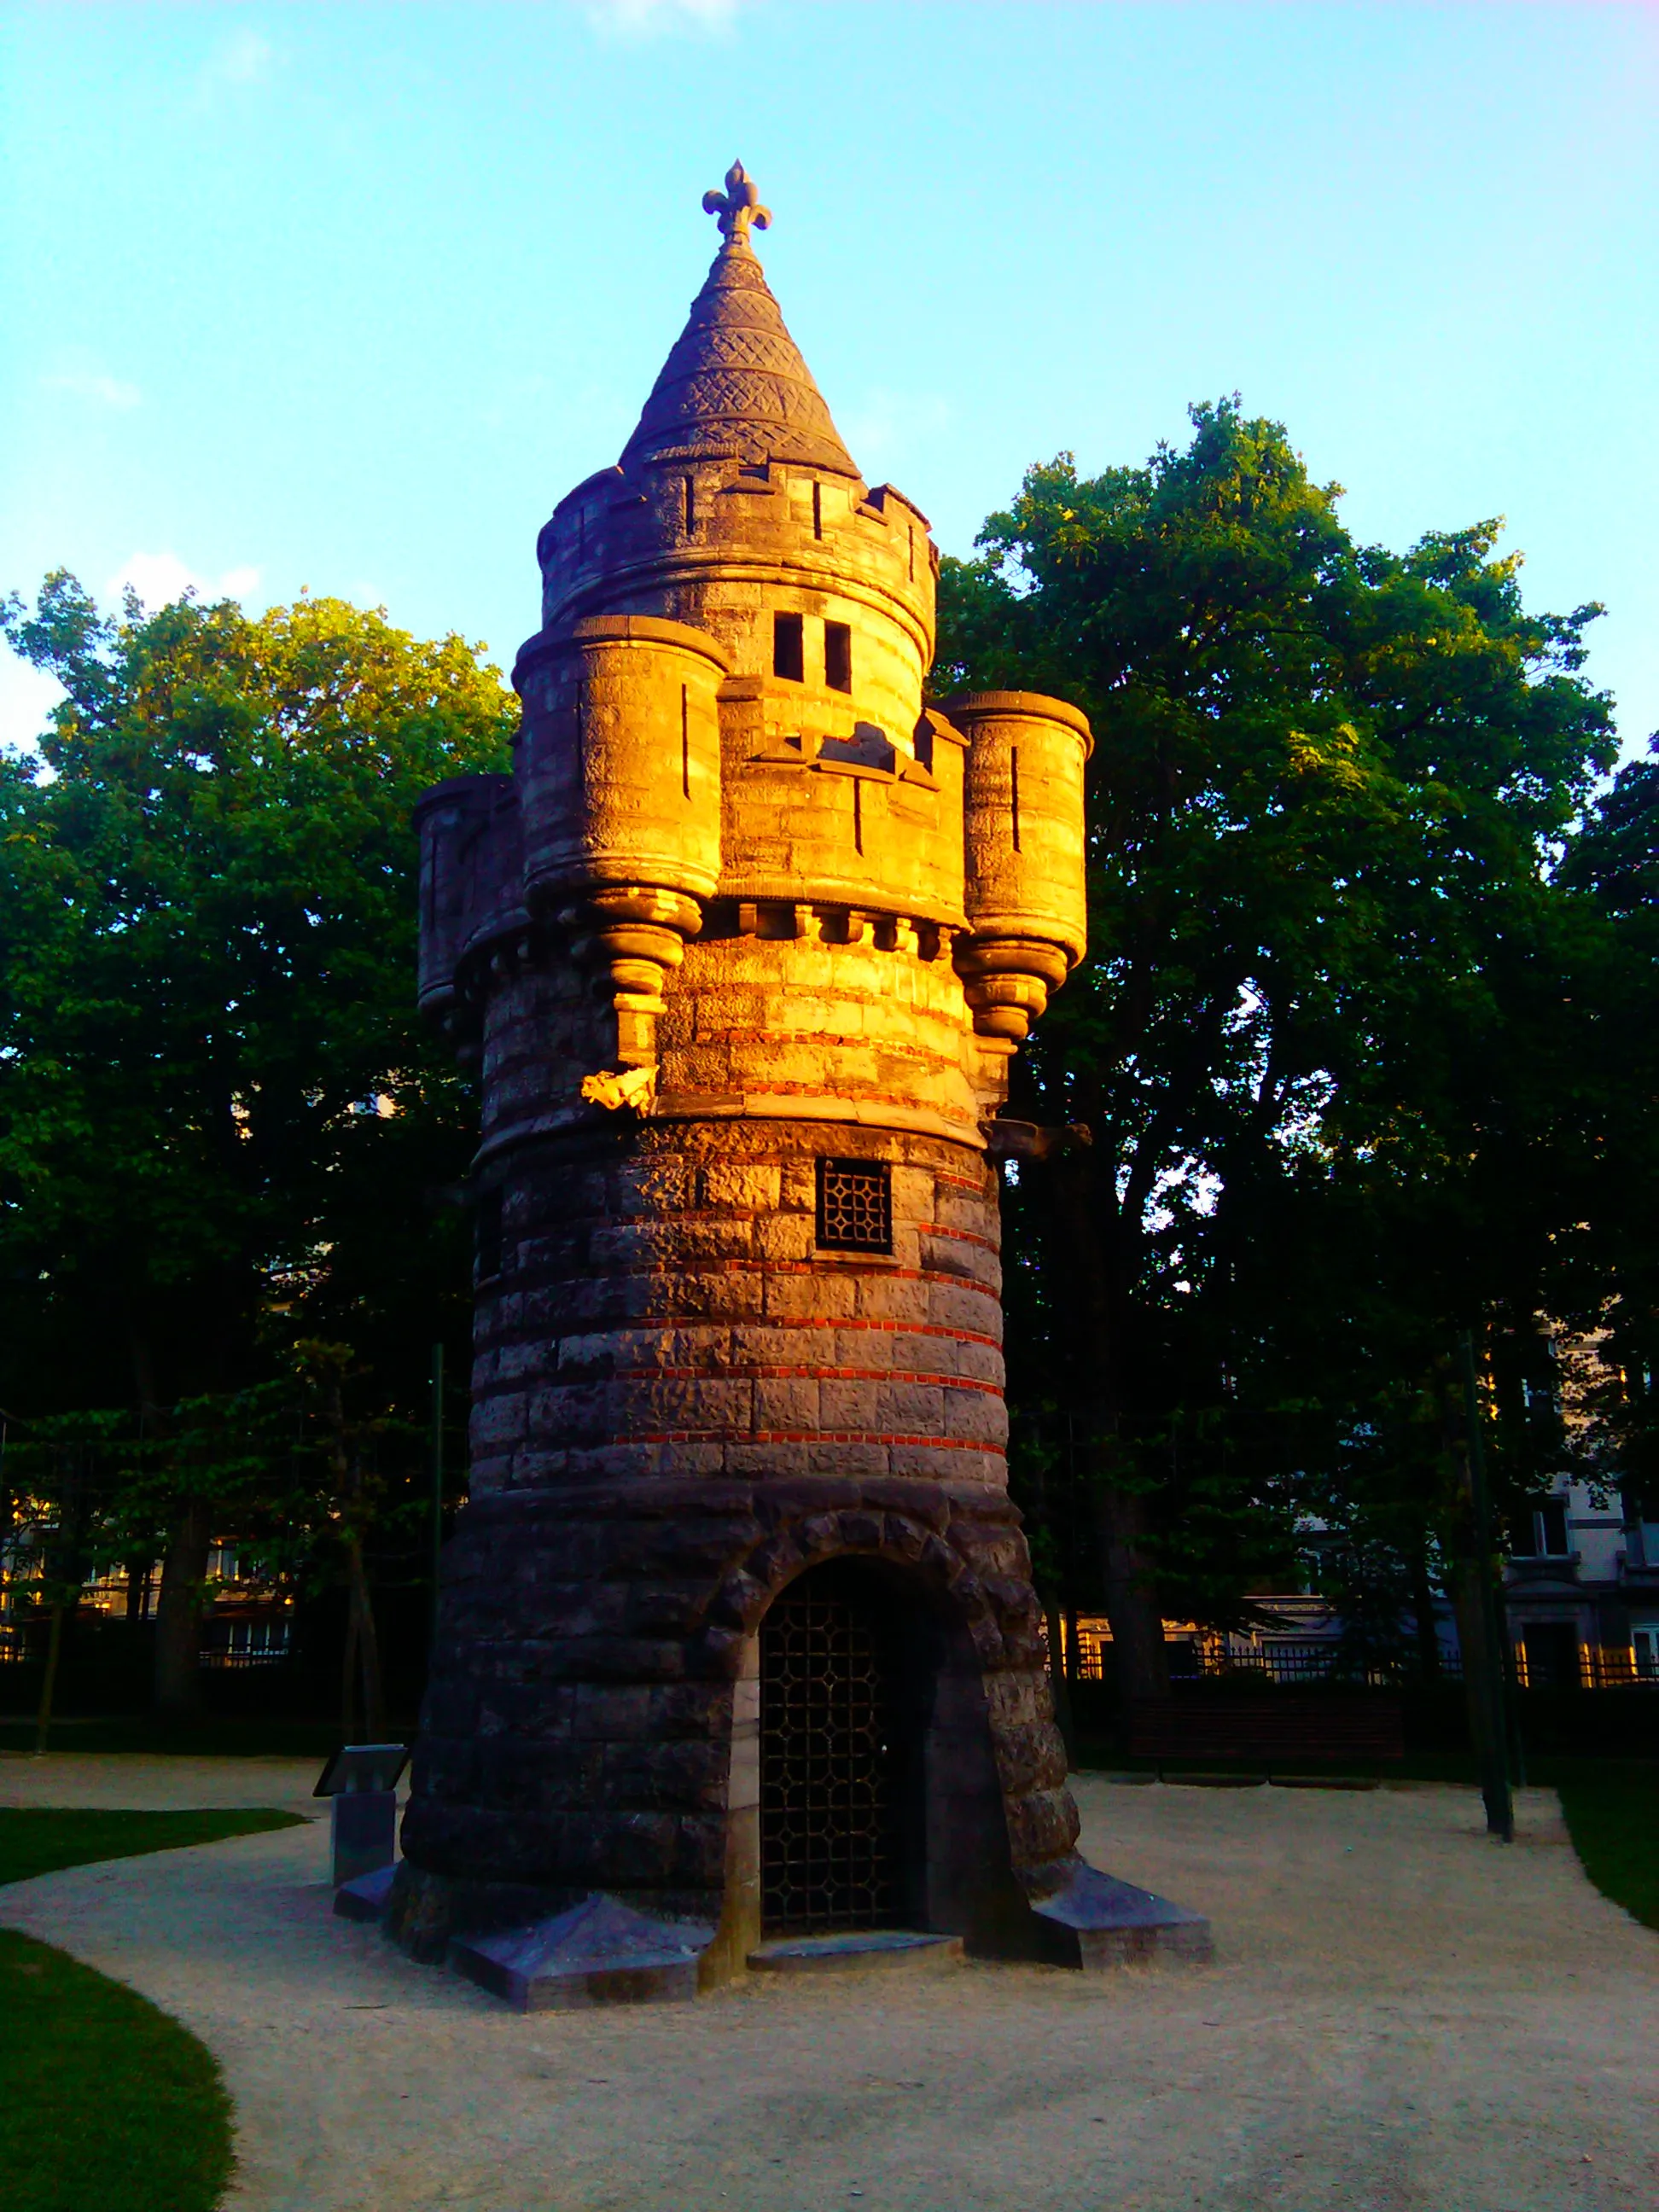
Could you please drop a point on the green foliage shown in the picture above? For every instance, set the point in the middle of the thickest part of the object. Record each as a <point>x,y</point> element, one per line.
<point>228,1143</point>
<point>217,1106</point>
<point>107,2099</point>
<point>1615,861</point>
<point>1338,1037</point>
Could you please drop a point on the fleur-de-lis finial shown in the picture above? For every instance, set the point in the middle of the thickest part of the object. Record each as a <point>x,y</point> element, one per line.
<point>737,206</point>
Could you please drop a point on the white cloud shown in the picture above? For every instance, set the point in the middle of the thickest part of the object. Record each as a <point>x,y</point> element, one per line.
<point>27,695</point>
<point>241,56</point>
<point>159,579</point>
<point>638,20</point>
<point>93,383</point>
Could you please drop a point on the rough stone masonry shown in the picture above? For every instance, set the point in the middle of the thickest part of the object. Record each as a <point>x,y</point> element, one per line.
<point>741,949</point>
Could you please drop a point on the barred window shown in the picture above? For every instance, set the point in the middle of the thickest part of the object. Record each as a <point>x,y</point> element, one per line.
<point>855,1207</point>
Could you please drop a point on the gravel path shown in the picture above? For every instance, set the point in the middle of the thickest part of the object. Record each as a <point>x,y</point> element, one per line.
<point>1400,2016</point>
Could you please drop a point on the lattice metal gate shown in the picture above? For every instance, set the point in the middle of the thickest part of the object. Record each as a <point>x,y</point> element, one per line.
<point>828,1827</point>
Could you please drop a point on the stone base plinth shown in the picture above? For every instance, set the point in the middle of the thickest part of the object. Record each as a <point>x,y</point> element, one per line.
<point>1096,1921</point>
<point>599,1953</point>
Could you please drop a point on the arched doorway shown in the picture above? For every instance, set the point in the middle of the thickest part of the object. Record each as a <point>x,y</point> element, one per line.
<point>836,1762</point>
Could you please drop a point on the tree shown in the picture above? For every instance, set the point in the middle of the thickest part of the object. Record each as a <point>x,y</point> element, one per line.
<point>221,1120</point>
<point>1322,1030</point>
<point>1607,1259</point>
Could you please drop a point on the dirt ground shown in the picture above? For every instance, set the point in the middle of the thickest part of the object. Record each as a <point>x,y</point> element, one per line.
<point>1402,2014</point>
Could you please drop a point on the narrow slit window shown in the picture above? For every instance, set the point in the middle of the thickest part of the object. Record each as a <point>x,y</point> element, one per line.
<point>818,509</point>
<point>690,484</point>
<point>855,1207</point>
<point>838,656</point>
<point>788,648</point>
<point>911,571</point>
<point>858,813</point>
<point>487,1235</point>
<point>1013,792</point>
<point>685,742</point>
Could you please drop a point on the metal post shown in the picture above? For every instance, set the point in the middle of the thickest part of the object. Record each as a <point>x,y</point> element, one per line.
<point>1495,1775</point>
<point>436,1445</point>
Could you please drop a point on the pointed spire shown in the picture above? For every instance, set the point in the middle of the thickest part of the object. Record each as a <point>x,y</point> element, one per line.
<point>736,378</point>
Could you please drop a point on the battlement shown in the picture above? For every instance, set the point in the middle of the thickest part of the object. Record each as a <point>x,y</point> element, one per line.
<point>721,871</point>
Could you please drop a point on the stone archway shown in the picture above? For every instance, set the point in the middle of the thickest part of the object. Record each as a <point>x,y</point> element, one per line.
<point>957,1690</point>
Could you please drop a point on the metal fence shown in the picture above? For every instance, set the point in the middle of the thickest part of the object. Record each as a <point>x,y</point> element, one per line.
<point>1196,1654</point>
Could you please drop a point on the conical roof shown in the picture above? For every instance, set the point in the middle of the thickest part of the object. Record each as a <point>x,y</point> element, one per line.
<point>736,379</point>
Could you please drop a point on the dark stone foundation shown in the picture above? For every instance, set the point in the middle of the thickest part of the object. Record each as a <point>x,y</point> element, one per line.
<point>615,1746</point>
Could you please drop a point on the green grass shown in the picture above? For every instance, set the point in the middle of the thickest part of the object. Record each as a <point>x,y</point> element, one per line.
<point>1612,1808</point>
<point>40,1842</point>
<point>104,2101</point>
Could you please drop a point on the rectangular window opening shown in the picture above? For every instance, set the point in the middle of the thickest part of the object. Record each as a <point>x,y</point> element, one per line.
<point>855,1207</point>
<point>1013,791</point>
<point>818,509</point>
<point>685,742</point>
<point>788,648</point>
<point>838,656</point>
<point>690,517</point>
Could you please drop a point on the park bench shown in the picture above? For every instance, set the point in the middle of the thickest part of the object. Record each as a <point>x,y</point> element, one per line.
<point>1282,1727</point>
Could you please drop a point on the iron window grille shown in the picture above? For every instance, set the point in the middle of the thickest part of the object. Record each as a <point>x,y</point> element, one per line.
<point>855,1207</point>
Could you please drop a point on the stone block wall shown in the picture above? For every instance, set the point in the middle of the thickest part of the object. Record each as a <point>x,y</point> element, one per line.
<point>600,1637</point>
<point>662,1309</point>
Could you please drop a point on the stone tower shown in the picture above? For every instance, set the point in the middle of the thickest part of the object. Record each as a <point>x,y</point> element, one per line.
<point>739,1628</point>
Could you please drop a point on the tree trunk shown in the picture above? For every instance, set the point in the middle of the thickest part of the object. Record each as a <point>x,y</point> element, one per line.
<point>1428,1643</point>
<point>1143,1667</point>
<point>1485,1732</point>
<point>349,1676</point>
<point>1120,1515</point>
<point>138,1575</point>
<point>179,1615</point>
<point>49,1685</point>
<point>361,1633</point>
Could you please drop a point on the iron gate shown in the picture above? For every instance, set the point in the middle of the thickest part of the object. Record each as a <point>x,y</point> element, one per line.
<point>829,1841</point>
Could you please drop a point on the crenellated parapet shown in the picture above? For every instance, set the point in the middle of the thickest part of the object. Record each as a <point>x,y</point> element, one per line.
<point>681,829</point>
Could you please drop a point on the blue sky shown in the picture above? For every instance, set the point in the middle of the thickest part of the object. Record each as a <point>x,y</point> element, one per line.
<point>349,296</point>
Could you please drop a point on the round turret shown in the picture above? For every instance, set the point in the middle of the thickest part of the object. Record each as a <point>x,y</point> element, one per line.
<point>1023,824</point>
